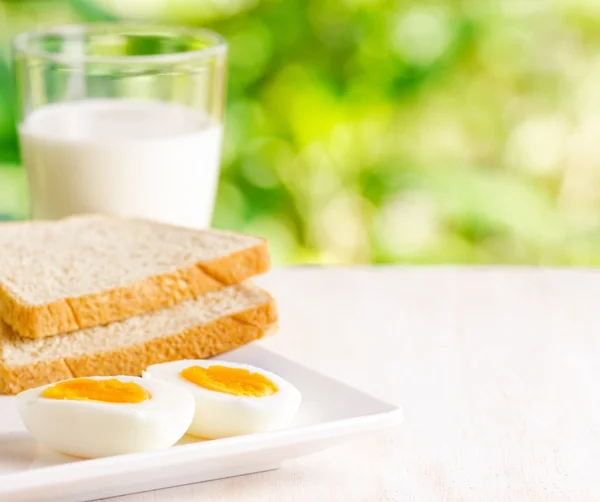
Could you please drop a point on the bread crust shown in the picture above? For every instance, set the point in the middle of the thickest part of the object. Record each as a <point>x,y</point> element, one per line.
<point>198,342</point>
<point>150,294</point>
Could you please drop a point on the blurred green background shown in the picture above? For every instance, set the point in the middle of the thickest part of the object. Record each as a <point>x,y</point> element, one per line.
<point>376,131</point>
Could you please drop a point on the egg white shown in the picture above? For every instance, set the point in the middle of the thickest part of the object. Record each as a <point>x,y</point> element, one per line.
<point>89,429</point>
<point>219,414</point>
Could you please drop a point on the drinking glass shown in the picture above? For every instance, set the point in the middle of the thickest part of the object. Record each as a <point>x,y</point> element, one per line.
<point>121,119</point>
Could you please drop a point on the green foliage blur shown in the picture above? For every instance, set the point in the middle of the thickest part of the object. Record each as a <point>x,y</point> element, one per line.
<point>376,131</point>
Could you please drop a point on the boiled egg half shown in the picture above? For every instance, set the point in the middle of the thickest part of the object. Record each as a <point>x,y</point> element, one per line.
<point>104,416</point>
<point>231,399</point>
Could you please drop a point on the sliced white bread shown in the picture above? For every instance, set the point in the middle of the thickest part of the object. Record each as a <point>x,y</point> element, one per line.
<point>84,271</point>
<point>213,323</point>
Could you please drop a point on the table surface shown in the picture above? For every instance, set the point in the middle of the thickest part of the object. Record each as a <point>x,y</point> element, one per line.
<point>496,368</point>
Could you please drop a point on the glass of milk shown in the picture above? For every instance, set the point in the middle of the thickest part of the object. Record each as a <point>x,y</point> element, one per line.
<point>121,119</point>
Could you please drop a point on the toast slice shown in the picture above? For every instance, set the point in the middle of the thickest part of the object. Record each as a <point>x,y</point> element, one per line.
<point>213,323</point>
<point>84,271</point>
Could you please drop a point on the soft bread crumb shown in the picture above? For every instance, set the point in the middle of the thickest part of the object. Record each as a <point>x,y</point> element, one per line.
<point>132,266</point>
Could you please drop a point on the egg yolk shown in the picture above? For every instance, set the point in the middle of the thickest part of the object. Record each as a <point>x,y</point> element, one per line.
<point>235,381</point>
<point>87,389</point>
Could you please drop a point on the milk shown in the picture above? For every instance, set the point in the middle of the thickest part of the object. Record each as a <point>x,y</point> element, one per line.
<point>146,159</point>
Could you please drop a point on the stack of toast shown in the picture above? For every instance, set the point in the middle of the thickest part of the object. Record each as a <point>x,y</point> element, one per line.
<point>103,295</point>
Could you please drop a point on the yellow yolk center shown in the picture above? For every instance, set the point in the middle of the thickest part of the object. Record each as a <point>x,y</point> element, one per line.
<point>235,381</point>
<point>107,391</point>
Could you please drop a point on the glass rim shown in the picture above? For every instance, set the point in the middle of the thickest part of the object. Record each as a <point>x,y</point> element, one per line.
<point>20,41</point>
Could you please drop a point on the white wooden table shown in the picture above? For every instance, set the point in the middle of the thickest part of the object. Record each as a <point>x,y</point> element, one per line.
<point>498,371</point>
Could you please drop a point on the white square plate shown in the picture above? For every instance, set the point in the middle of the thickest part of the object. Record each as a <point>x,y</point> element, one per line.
<point>330,412</point>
